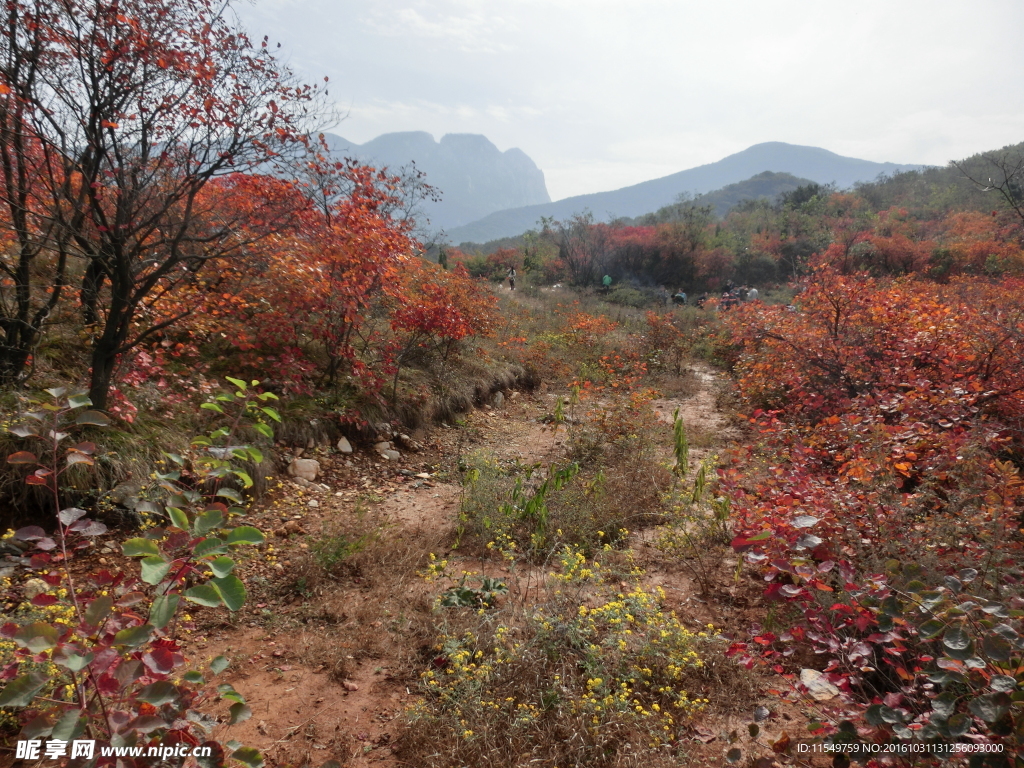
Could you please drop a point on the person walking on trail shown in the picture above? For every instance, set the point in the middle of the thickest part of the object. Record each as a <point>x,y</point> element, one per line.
<point>606,283</point>
<point>511,278</point>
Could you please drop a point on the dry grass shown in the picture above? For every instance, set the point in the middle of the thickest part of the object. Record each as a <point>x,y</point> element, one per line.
<point>363,584</point>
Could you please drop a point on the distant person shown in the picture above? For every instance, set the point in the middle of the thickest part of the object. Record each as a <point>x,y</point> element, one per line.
<point>679,298</point>
<point>752,294</point>
<point>606,281</point>
<point>511,278</point>
<point>701,300</point>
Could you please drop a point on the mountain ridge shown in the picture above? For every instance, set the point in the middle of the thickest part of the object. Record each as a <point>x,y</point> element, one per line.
<point>814,163</point>
<point>474,177</point>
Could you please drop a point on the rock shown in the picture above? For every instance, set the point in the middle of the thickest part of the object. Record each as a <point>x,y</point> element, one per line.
<point>383,430</point>
<point>311,443</point>
<point>350,686</point>
<point>301,482</point>
<point>35,587</point>
<point>423,475</point>
<point>408,443</point>
<point>382,446</point>
<point>513,396</point>
<point>344,445</point>
<point>499,400</point>
<point>307,469</point>
<point>818,685</point>
<point>391,455</point>
<point>313,504</point>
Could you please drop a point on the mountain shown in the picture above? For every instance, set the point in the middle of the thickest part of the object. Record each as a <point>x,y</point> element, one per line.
<point>474,177</point>
<point>818,165</point>
<point>768,186</point>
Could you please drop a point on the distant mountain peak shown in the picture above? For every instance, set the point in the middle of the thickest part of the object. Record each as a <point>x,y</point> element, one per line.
<point>474,177</point>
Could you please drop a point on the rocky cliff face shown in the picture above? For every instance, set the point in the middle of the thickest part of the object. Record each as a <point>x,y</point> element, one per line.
<point>474,177</point>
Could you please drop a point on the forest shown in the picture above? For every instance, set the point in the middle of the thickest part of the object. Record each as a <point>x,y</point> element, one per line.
<point>288,485</point>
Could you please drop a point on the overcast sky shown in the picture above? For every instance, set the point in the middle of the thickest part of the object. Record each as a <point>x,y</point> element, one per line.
<point>603,93</point>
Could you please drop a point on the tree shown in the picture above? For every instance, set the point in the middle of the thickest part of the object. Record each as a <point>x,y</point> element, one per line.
<point>1005,175</point>
<point>118,118</point>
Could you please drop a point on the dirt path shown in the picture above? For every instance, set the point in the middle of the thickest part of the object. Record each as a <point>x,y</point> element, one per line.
<point>328,669</point>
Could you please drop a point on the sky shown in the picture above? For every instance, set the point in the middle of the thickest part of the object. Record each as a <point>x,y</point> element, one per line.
<point>606,93</point>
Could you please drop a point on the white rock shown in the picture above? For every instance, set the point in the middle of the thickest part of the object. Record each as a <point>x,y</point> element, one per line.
<point>391,455</point>
<point>499,400</point>
<point>382,446</point>
<point>307,469</point>
<point>301,482</point>
<point>313,503</point>
<point>344,445</point>
<point>818,685</point>
<point>34,588</point>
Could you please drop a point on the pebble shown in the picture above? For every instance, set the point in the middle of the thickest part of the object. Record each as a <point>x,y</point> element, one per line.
<point>313,503</point>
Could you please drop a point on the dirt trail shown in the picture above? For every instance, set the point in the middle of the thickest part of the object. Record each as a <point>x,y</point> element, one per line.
<point>304,714</point>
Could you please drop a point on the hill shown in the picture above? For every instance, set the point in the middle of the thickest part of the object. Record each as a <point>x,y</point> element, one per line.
<point>813,163</point>
<point>474,177</point>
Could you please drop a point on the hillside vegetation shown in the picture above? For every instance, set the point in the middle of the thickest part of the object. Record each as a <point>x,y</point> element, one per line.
<point>570,524</point>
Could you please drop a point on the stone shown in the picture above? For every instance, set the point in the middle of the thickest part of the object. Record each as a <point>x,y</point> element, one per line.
<point>499,400</point>
<point>301,482</point>
<point>35,587</point>
<point>408,443</point>
<point>344,445</point>
<point>350,686</point>
<point>382,446</point>
<point>391,455</point>
<point>817,685</point>
<point>313,504</point>
<point>307,469</point>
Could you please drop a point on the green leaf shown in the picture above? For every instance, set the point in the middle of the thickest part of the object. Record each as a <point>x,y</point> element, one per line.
<point>240,385</point>
<point>95,418</point>
<point>212,407</point>
<point>930,629</point>
<point>98,610</point>
<point>996,647</point>
<point>204,594</point>
<point>240,713</point>
<point>154,569</point>
<point>162,611</point>
<point>991,706</point>
<point>222,566</point>
<point>232,590</point>
<point>158,693</point>
<point>244,477</point>
<point>227,691</point>
<point>255,454</point>
<point>79,401</point>
<point>249,756</point>
<point>134,636</point>
<point>219,664</point>
<point>246,534</point>
<point>70,725</point>
<point>271,413</point>
<point>138,547</point>
<point>194,678</point>
<point>22,690</point>
<point>209,546</point>
<point>956,638</point>
<point>73,661</point>
<point>208,521</point>
<point>959,725</point>
<point>230,493</point>
<point>37,636</point>
<point>178,518</point>
<point>944,705</point>
<point>1003,683</point>
<point>264,430</point>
